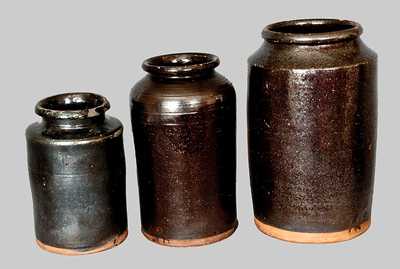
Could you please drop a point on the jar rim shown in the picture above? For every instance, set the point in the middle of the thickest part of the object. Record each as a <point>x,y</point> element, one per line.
<point>178,65</point>
<point>312,31</point>
<point>73,105</point>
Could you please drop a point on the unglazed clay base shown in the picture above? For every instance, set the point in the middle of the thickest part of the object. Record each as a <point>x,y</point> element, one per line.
<point>73,252</point>
<point>312,238</point>
<point>191,242</point>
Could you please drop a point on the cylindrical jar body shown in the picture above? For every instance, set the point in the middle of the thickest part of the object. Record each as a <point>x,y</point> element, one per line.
<point>312,111</point>
<point>184,128</point>
<point>77,174</point>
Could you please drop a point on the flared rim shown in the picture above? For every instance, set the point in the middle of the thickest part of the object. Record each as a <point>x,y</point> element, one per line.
<point>75,105</point>
<point>312,31</point>
<point>180,64</point>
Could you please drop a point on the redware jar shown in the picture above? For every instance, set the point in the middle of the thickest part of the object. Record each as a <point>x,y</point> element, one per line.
<point>77,175</point>
<point>312,112</point>
<point>184,124</point>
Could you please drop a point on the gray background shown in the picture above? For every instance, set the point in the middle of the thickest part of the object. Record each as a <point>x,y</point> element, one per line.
<point>48,47</point>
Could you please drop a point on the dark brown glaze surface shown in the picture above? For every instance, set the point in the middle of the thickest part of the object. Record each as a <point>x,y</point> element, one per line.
<point>77,174</point>
<point>312,126</point>
<point>184,125</point>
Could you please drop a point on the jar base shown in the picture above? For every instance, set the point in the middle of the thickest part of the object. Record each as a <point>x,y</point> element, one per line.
<point>117,240</point>
<point>191,242</point>
<point>312,238</point>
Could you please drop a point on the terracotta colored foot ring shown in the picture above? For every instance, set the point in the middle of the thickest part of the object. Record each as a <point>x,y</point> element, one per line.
<point>191,242</point>
<point>313,238</point>
<point>73,252</point>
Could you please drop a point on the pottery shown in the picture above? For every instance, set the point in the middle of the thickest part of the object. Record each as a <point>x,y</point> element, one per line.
<point>77,175</point>
<point>184,122</point>
<point>312,113</point>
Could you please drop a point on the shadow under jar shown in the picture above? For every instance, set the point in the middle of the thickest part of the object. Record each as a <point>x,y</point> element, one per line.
<point>312,112</point>
<point>184,124</point>
<point>77,174</point>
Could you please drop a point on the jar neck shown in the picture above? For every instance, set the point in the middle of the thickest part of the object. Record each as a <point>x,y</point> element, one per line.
<point>192,76</point>
<point>73,124</point>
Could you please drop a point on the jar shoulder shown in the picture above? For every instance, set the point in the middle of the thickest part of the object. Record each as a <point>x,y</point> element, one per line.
<point>189,93</point>
<point>39,132</point>
<point>292,56</point>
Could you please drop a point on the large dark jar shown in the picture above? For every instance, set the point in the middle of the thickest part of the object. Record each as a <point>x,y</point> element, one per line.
<point>183,119</point>
<point>77,175</point>
<point>312,112</point>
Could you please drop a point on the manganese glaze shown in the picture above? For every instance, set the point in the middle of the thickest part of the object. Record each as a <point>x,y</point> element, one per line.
<point>312,113</point>
<point>184,124</point>
<point>77,174</point>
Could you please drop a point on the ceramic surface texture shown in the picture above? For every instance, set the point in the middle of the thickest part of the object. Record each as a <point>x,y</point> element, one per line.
<point>184,122</point>
<point>77,175</point>
<point>312,112</point>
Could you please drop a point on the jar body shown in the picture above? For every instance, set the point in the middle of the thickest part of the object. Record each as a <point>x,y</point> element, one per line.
<point>77,180</point>
<point>312,112</point>
<point>185,142</point>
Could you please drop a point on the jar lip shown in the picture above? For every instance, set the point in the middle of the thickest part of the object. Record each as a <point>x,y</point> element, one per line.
<point>73,105</point>
<point>312,31</point>
<point>180,64</point>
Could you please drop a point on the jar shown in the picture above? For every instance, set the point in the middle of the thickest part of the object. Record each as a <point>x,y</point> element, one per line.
<point>77,175</point>
<point>312,112</point>
<point>184,122</point>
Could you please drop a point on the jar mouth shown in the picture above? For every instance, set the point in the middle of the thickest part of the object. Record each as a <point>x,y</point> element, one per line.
<point>180,64</point>
<point>312,31</point>
<point>79,105</point>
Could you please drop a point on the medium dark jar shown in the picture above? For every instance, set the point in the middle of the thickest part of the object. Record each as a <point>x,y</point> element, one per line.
<point>77,175</point>
<point>184,124</point>
<point>312,112</point>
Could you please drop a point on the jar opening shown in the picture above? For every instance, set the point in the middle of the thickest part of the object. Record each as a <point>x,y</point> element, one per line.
<point>72,106</point>
<point>180,65</point>
<point>312,31</point>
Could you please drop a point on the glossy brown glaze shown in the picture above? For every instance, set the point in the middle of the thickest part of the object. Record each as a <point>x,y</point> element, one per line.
<point>312,129</point>
<point>183,119</point>
<point>77,175</point>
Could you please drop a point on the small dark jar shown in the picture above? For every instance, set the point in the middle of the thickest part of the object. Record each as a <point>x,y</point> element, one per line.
<point>312,112</point>
<point>183,117</point>
<point>77,175</point>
